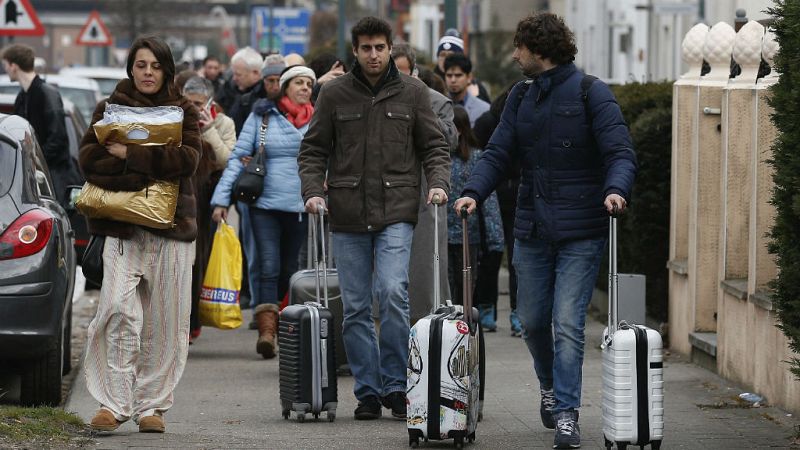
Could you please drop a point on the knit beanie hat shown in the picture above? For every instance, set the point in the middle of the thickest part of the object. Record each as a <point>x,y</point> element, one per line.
<point>296,71</point>
<point>273,65</point>
<point>450,43</point>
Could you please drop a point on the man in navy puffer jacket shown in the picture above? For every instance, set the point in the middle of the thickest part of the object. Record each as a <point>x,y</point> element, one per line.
<point>567,134</point>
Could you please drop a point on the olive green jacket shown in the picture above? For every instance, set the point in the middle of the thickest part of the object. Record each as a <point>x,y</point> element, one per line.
<point>371,148</point>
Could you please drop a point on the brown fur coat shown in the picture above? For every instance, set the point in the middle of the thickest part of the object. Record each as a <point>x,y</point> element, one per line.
<point>145,164</point>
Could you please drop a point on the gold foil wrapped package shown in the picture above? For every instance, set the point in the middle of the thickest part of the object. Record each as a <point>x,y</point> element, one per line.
<point>152,125</point>
<point>153,206</point>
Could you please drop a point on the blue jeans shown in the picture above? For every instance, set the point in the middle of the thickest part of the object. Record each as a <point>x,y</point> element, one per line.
<point>250,251</point>
<point>378,369</point>
<point>554,286</point>
<point>278,236</point>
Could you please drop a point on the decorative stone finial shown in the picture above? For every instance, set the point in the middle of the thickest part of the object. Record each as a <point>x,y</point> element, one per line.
<point>717,51</point>
<point>747,51</point>
<point>693,42</point>
<point>692,49</point>
<point>769,47</point>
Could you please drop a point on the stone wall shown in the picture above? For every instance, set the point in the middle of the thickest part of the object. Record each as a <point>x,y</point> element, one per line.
<point>720,308</point>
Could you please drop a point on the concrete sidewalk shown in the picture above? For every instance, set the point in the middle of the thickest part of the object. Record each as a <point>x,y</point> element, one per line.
<point>228,398</point>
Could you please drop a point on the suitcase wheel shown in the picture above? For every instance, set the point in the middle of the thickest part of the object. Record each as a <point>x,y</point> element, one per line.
<point>471,437</point>
<point>609,444</point>
<point>331,416</point>
<point>301,417</point>
<point>316,416</point>
<point>459,442</point>
<point>413,442</point>
<point>655,445</point>
<point>285,414</point>
<point>622,445</point>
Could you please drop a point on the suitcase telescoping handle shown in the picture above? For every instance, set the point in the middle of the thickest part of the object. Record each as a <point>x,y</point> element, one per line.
<point>466,276</point>
<point>613,276</point>
<point>323,266</point>
<point>437,301</point>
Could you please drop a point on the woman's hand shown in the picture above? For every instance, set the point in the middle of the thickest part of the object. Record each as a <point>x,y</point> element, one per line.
<point>204,120</point>
<point>117,149</point>
<point>220,213</point>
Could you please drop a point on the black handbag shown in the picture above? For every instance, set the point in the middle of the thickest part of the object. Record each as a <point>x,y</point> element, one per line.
<point>250,184</point>
<point>92,262</point>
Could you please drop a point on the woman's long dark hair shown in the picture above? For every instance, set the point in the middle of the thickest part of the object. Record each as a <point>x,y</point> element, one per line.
<point>162,53</point>
<point>466,138</point>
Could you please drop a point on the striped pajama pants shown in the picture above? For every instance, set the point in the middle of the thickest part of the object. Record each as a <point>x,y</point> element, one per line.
<point>138,342</point>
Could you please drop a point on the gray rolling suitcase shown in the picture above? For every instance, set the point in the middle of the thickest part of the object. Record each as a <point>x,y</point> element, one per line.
<point>307,356</point>
<point>633,373</point>
<point>303,285</point>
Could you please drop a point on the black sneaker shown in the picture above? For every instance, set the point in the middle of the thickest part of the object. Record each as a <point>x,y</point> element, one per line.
<point>568,433</point>
<point>546,408</point>
<point>396,401</point>
<point>368,409</point>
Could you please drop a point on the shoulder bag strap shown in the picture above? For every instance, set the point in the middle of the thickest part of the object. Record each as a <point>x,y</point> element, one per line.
<point>262,134</point>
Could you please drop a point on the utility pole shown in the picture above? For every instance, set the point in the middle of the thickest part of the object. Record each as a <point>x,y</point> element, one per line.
<point>341,47</point>
<point>450,14</point>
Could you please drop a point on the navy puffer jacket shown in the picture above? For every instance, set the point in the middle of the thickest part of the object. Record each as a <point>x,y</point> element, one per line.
<point>572,154</point>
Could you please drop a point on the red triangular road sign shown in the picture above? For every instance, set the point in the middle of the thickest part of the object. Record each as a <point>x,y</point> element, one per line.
<point>18,18</point>
<point>94,32</point>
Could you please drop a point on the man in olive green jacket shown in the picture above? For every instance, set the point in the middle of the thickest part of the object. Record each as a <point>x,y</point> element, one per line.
<point>372,134</point>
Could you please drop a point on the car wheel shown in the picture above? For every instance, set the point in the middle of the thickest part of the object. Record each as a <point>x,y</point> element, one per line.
<point>67,367</point>
<point>41,379</point>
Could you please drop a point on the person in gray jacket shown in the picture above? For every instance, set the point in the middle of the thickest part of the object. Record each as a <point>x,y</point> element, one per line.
<point>420,274</point>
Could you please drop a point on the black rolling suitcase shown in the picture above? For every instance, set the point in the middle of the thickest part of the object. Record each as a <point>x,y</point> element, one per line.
<point>307,357</point>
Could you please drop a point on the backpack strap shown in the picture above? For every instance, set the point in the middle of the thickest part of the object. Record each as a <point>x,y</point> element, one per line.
<point>526,84</point>
<point>586,84</point>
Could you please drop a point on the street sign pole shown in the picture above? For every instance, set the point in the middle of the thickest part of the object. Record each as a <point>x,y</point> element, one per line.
<point>271,22</point>
<point>450,14</point>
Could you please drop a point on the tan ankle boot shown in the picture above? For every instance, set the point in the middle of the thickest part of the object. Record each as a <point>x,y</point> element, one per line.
<point>266,316</point>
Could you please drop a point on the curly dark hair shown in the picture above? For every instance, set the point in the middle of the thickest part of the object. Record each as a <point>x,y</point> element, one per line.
<point>547,35</point>
<point>371,26</point>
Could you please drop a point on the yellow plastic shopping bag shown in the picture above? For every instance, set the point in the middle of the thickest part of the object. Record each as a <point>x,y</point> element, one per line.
<point>219,297</point>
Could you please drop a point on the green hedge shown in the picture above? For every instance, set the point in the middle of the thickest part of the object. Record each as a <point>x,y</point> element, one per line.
<point>785,235</point>
<point>643,232</point>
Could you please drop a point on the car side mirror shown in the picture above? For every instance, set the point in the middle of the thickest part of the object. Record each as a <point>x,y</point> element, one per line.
<point>73,192</point>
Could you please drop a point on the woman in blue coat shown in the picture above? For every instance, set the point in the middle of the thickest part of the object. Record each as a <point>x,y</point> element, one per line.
<point>277,217</point>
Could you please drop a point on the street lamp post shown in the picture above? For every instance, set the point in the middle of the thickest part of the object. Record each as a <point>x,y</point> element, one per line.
<point>341,49</point>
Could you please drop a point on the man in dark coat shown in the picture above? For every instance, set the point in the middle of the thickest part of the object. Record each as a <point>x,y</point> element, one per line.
<point>567,133</point>
<point>372,135</point>
<point>246,76</point>
<point>40,104</point>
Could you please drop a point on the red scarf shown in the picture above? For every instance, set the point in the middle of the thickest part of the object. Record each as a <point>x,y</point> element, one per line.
<point>298,115</point>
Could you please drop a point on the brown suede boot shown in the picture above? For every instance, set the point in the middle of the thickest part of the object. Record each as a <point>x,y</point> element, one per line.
<point>104,420</point>
<point>266,316</point>
<point>152,424</point>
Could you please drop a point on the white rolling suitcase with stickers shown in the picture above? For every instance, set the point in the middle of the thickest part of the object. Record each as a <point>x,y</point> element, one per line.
<point>633,373</point>
<point>443,384</point>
